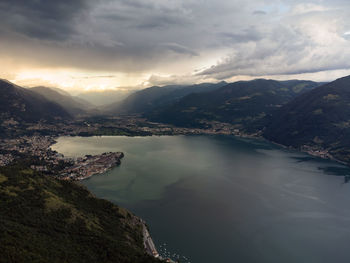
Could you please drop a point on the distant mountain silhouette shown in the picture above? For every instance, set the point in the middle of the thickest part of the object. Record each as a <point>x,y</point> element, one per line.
<point>148,99</point>
<point>247,104</point>
<point>73,105</point>
<point>21,104</point>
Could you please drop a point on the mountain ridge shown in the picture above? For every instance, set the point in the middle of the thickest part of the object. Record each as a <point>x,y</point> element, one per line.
<point>247,104</point>
<point>147,99</point>
<point>22,104</point>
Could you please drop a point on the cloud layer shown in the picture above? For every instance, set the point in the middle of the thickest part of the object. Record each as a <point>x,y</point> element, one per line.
<point>191,39</point>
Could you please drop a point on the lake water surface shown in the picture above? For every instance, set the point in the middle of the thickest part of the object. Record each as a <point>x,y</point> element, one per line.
<point>220,199</point>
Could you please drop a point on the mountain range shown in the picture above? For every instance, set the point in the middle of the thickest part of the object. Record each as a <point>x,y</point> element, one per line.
<point>247,104</point>
<point>150,98</point>
<point>293,113</point>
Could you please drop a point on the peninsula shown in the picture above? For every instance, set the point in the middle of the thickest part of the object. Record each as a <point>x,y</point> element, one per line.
<point>90,165</point>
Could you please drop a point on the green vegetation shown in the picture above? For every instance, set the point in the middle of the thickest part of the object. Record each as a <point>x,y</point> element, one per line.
<point>3,178</point>
<point>46,220</point>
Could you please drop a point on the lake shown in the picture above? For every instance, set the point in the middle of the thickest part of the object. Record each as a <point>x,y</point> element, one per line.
<point>220,199</point>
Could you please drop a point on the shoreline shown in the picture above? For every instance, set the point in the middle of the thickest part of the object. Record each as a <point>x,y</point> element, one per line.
<point>90,165</point>
<point>199,132</point>
<point>148,241</point>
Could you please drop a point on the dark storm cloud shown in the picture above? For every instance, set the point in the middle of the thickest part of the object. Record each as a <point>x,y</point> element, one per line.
<point>42,19</point>
<point>115,17</point>
<point>158,22</point>
<point>143,15</point>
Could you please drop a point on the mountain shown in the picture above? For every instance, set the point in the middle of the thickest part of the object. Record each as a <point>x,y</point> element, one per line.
<point>147,99</point>
<point>247,104</point>
<point>43,219</point>
<point>106,97</point>
<point>319,118</point>
<point>21,104</point>
<point>73,105</point>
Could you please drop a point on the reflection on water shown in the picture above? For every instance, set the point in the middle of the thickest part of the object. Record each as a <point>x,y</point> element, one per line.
<point>222,199</point>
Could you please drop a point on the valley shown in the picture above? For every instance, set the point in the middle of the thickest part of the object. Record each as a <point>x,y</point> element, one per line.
<point>250,108</point>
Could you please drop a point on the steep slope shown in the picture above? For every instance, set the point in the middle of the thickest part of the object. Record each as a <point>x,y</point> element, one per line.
<point>46,220</point>
<point>74,106</point>
<point>150,98</point>
<point>319,118</point>
<point>247,104</point>
<point>25,105</point>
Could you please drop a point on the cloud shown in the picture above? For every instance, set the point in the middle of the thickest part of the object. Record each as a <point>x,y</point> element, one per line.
<point>300,43</point>
<point>158,80</point>
<point>174,38</point>
<point>245,35</point>
<point>42,19</point>
<point>177,48</point>
<point>96,77</point>
<point>259,12</point>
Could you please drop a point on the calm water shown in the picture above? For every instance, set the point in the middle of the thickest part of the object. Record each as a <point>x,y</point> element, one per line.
<point>223,199</point>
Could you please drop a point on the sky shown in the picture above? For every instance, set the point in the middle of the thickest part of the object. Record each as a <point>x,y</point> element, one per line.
<point>89,45</point>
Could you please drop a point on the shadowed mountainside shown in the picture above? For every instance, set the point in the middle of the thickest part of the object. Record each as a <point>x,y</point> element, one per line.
<point>73,105</point>
<point>246,104</point>
<point>25,105</point>
<point>148,99</point>
<point>318,118</point>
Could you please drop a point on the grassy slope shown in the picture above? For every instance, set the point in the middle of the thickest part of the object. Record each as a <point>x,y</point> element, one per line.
<point>46,220</point>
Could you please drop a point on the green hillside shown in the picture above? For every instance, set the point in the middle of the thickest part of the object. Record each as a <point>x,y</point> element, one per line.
<point>46,220</point>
